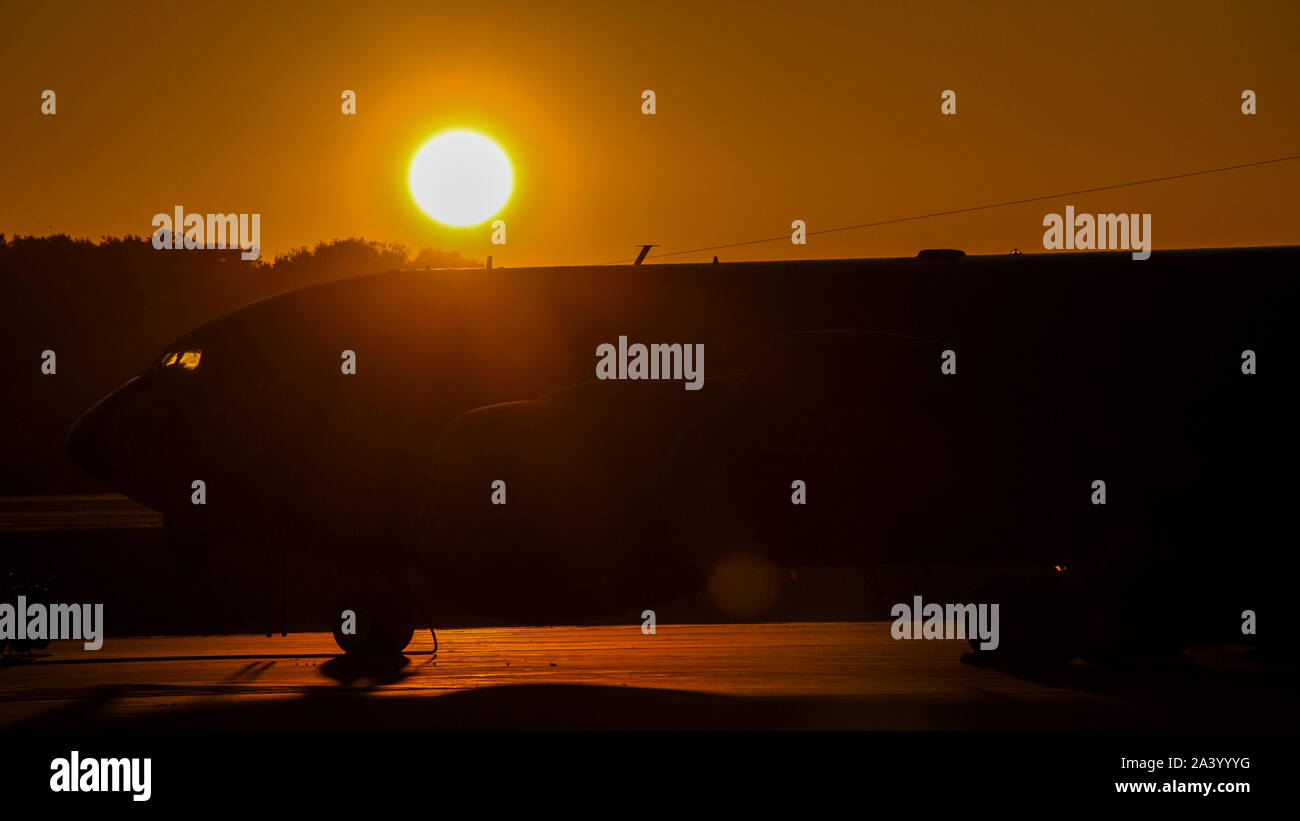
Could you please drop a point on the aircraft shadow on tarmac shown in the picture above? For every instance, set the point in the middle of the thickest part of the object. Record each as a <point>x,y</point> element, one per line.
<point>376,670</point>
<point>1148,697</point>
<point>1175,678</point>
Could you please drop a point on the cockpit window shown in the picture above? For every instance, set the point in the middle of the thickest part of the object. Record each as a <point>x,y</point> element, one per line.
<point>182,360</point>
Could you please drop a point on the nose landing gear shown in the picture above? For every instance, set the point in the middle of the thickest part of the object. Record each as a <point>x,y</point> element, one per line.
<point>373,622</point>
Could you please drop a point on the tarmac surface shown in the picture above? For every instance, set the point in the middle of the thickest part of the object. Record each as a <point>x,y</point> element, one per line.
<point>739,676</point>
<point>796,674</point>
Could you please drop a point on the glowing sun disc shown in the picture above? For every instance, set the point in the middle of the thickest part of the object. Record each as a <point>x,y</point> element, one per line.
<point>460,178</point>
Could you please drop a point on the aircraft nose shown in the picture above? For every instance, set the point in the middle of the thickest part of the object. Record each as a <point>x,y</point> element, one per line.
<point>92,442</point>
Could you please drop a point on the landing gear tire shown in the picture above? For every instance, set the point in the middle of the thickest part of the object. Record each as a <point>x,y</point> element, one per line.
<point>373,623</point>
<point>1127,630</point>
<point>1038,621</point>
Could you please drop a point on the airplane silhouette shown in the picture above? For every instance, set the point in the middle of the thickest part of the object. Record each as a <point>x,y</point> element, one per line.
<point>942,408</point>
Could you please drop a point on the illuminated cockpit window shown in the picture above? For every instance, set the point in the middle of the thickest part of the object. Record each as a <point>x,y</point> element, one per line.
<point>187,360</point>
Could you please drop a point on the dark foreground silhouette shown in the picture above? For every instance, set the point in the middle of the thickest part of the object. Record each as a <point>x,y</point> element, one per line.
<point>1129,420</point>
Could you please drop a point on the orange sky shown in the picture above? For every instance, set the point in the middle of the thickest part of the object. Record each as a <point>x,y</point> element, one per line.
<point>767,112</point>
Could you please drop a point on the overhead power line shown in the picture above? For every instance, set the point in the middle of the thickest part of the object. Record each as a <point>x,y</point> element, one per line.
<point>972,208</point>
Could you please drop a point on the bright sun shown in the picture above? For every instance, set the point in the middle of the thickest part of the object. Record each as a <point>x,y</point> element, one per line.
<point>460,178</point>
